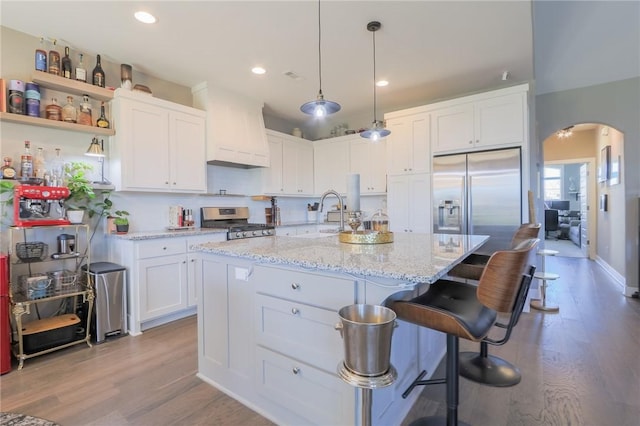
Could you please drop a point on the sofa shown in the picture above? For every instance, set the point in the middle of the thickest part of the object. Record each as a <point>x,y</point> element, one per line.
<point>574,232</point>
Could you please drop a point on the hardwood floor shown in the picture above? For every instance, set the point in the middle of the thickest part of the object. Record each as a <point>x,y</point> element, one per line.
<point>580,366</point>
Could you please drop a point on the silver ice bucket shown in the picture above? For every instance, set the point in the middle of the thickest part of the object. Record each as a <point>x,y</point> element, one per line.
<point>366,331</point>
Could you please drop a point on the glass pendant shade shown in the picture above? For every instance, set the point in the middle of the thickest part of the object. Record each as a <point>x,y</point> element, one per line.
<point>377,130</point>
<point>320,107</point>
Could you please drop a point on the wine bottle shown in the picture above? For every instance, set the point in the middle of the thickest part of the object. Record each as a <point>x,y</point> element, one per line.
<point>66,64</point>
<point>39,164</point>
<point>26,162</point>
<point>102,120</point>
<point>54,60</point>
<point>41,57</point>
<point>81,72</point>
<point>98,74</point>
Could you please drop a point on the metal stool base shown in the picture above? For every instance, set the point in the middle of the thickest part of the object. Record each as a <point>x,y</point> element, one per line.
<point>490,370</point>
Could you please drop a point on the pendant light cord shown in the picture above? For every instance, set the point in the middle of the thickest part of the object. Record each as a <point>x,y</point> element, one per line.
<point>319,50</point>
<point>374,78</point>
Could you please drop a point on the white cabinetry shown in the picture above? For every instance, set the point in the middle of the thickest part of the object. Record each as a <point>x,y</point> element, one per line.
<point>409,202</point>
<point>331,164</point>
<point>369,160</point>
<point>159,146</point>
<point>163,276</point>
<point>298,348</point>
<point>235,127</point>
<point>291,170</point>
<point>408,145</point>
<point>482,121</point>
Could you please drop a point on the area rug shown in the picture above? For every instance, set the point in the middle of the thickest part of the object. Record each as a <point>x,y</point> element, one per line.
<point>15,419</point>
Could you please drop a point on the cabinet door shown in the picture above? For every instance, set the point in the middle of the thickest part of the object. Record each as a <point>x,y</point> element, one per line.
<point>272,175</point>
<point>305,168</point>
<point>409,202</point>
<point>143,140</point>
<point>408,146</point>
<point>452,128</point>
<point>212,318</point>
<point>500,120</point>
<point>187,152</point>
<point>163,286</point>
<point>369,160</point>
<point>290,168</point>
<point>330,166</point>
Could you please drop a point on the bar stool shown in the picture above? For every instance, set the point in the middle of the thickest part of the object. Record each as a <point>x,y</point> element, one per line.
<point>544,276</point>
<point>463,310</point>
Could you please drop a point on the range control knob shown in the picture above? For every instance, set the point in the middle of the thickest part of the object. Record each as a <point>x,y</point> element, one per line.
<point>266,232</point>
<point>254,233</point>
<point>245,233</point>
<point>238,234</point>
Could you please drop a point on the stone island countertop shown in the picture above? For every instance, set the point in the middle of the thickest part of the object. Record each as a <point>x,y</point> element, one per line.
<point>417,258</point>
<point>150,235</point>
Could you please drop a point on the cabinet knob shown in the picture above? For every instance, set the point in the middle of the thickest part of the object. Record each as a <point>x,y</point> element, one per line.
<point>295,370</point>
<point>164,248</point>
<point>166,182</point>
<point>174,183</point>
<point>193,260</point>
<point>184,262</point>
<point>295,311</point>
<point>295,286</point>
<point>477,140</point>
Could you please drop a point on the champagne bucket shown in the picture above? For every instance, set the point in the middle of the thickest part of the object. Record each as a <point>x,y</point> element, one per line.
<point>366,331</point>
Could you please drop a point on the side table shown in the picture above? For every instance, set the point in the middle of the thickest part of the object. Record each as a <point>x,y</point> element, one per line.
<point>544,276</point>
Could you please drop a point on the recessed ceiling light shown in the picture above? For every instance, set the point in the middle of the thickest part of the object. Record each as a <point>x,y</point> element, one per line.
<point>382,83</point>
<point>145,17</point>
<point>258,70</point>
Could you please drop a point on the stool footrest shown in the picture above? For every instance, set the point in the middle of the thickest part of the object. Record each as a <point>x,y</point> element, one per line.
<point>419,382</point>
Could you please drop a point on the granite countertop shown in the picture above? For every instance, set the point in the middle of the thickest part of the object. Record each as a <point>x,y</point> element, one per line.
<point>150,235</point>
<point>416,258</point>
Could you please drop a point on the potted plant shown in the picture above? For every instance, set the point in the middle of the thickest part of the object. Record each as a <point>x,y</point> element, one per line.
<point>81,193</point>
<point>121,221</point>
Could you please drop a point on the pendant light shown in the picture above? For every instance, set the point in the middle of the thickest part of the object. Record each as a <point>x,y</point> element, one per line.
<point>377,130</point>
<point>320,107</point>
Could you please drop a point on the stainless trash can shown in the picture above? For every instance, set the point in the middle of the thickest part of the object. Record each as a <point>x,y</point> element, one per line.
<point>110,312</point>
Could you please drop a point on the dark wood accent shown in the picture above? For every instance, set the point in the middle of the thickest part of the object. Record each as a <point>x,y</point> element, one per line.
<point>579,366</point>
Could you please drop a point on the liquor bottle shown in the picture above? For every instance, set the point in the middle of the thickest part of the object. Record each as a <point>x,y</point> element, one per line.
<point>53,111</point>
<point>102,120</point>
<point>98,74</point>
<point>41,57</point>
<point>26,162</point>
<point>69,112</point>
<point>54,60</point>
<point>57,169</point>
<point>84,116</point>
<point>81,72</point>
<point>66,64</point>
<point>39,164</point>
<point>7,171</point>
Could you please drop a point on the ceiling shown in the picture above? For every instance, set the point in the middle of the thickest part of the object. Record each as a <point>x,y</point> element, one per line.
<point>428,50</point>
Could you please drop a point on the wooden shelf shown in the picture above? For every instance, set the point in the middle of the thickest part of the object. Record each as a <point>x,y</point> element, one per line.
<point>53,124</point>
<point>54,82</point>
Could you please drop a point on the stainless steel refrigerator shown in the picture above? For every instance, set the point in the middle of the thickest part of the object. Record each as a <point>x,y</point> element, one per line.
<point>478,193</point>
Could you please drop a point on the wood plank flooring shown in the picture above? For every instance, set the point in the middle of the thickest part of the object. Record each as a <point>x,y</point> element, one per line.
<point>580,366</point>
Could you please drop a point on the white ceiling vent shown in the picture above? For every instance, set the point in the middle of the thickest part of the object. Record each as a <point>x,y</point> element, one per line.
<point>292,75</point>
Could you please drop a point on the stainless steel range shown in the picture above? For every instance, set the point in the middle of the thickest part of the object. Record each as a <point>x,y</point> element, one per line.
<point>236,221</point>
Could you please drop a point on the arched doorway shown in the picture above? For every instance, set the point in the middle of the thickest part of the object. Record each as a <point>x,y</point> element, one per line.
<point>582,167</point>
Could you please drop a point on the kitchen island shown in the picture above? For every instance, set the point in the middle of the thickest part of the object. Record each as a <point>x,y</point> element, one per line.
<point>267,308</point>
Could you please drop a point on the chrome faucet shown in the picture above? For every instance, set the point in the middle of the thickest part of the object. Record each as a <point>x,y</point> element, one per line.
<point>340,205</point>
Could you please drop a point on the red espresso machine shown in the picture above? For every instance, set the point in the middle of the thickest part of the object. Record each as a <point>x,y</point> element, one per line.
<point>5,327</point>
<point>39,205</point>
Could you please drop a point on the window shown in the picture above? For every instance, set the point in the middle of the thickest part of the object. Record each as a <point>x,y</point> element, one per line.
<point>553,182</point>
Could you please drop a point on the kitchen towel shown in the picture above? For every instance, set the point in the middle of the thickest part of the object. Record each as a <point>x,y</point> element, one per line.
<point>353,192</point>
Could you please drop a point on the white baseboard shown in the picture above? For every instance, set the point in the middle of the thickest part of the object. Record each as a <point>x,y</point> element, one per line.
<point>617,277</point>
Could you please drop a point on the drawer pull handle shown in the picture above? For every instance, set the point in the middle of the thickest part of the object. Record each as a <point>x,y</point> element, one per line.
<point>295,370</point>
<point>295,311</point>
<point>295,286</point>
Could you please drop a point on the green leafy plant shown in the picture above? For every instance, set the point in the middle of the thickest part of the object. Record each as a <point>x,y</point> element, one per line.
<point>120,217</point>
<point>81,193</point>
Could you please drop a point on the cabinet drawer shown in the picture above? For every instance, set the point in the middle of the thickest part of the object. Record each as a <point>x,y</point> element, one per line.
<point>306,287</point>
<point>162,247</point>
<point>319,397</point>
<point>298,330</point>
